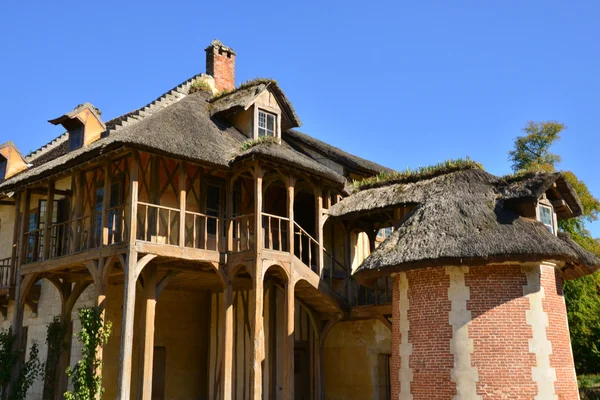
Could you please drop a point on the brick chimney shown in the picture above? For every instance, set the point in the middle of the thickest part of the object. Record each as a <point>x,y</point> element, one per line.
<point>220,64</point>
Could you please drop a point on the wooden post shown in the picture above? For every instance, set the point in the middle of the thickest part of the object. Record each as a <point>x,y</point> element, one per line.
<point>227,348</point>
<point>63,360</point>
<point>182,202</point>
<point>24,220</point>
<point>258,295</point>
<point>258,335</point>
<point>319,228</point>
<point>105,240</point>
<point>48,220</point>
<point>78,200</point>
<point>258,200</point>
<point>229,214</point>
<point>124,387</point>
<point>290,205</point>
<point>288,350</point>
<point>16,241</point>
<point>147,342</point>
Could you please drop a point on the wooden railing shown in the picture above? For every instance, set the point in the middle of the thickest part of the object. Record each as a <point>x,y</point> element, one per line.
<point>117,229</point>
<point>275,230</point>
<point>69,237</point>
<point>243,233</point>
<point>306,247</point>
<point>33,242</point>
<point>381,294</point>
<point>159,224</point>
<point>333,269</point>
<point>5,272</point>
<point>207,232</point>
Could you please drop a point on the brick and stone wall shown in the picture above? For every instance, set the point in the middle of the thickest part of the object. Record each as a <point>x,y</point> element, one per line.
<point>492,332</point>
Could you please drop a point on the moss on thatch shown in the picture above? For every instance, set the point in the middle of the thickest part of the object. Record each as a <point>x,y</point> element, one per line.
<point>245,85</point>
<point>253,142</point>
<point>415,175</point>
<point>198,86</point>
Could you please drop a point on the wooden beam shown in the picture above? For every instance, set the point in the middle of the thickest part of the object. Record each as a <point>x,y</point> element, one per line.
<point>291,182</point>
<point>48,220</point>
<point>288,349</point>
<point>147,342</point>
<point>106,203</point>
<point>319,228</point>
<point>162,284</point>
<point>227,347</point>
<point>15,243</point>
<point>7,203</point>
<point>182,202</point>
<point>258,335</point>
<point>124,385</point>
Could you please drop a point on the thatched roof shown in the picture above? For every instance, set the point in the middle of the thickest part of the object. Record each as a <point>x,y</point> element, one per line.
<point>531,186</point>
<point>299,141</point>
<point>285,154</point>
<point>458,218</point>
<point>183,129</point>
<point>244,96</point>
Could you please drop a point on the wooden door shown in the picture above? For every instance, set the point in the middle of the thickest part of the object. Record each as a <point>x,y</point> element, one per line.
<point>301,373</point>
<point>159,373</point>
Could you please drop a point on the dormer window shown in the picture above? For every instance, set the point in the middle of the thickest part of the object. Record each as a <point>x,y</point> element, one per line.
<point>546,217</point>
<point>267,124</point>
<point>3,167</point>
<point>75,139</point>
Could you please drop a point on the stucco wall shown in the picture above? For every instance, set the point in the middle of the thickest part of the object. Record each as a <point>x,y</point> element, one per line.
<point>354,360</point>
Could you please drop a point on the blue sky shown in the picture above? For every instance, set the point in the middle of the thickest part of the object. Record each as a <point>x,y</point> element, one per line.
<point>402,83</point>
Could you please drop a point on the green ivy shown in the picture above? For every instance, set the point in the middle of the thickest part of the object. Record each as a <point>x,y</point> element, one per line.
<point>94,334</point>
<point>55,339</point>
<point>9,357</point>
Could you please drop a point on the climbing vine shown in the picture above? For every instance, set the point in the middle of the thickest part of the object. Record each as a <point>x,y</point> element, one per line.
<point>55,339</point>
<point>86,376</point>
<point>9,357</point>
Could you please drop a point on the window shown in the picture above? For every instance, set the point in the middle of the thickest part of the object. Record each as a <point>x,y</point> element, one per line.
<point>546,216</point>
<point>75,139</point>
<point>266,124</point>
<point>3,164</point>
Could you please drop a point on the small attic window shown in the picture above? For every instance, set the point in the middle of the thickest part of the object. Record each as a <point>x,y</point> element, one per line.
<point>3,166</point>
<point>546,217</point>
<point>267,124</point>
<point>75,139</point>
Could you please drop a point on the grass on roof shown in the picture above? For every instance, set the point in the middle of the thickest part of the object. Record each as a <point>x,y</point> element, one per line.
<point>247,84</point>
<point>414,175</point>
<point>198,86</point>
<point>254,142</point>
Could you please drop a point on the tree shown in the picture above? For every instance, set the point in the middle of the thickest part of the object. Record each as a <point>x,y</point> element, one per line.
<point>532,151</point>
<point>582,296</point>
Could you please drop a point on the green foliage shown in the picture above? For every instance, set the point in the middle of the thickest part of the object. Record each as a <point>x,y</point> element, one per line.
<point>414,175</point>
<point>588,381</point>
<point>9,357</point>
<point>199,86</point>
<point>582,296</point>
<point>85,376</point>
<point>55,339</point>
<point>262,139</point>
<point>31,370</point>
<point>531,151</point>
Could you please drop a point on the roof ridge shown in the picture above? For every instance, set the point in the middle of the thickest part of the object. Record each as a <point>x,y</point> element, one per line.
<point>123,120</point>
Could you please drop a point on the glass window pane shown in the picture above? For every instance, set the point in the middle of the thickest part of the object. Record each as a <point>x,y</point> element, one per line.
<point>2,167</point>
<point>271,122</point>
